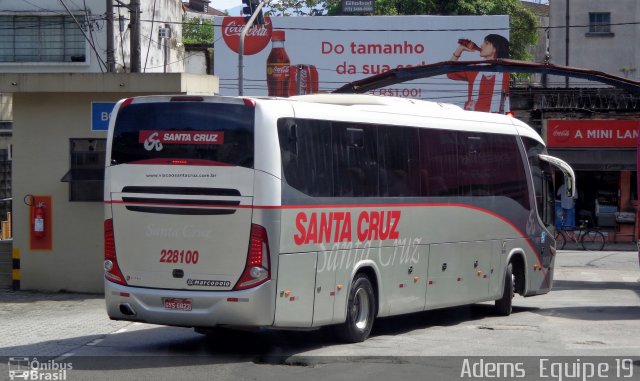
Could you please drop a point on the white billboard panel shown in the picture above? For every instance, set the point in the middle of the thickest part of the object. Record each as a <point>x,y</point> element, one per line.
<point>338,50</point>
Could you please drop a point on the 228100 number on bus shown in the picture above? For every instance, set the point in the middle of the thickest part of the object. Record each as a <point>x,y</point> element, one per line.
<point>179,256</point>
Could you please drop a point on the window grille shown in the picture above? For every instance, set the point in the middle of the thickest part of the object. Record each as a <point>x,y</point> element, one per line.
<point>599,22</point>
<point>86,176</point>
<point>41,39</point>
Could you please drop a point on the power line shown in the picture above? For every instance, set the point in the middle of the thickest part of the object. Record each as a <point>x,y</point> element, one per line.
<point>100,61</point>
<point>43,9</point>
<point>146,59</point>
<point>421,30</point>
<point>152,21</point>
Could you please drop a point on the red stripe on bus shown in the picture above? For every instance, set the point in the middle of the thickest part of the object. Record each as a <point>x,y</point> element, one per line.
<point>409,205</point>
<point>350,206</point>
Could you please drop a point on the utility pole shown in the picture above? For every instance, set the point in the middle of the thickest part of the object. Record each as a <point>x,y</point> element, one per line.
<point>566,42</point>
<point>256,13</point>
<point>111,61</point>
<point>135,35</point>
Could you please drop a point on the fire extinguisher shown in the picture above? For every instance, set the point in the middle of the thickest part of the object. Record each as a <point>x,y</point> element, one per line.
<point>38,221</point>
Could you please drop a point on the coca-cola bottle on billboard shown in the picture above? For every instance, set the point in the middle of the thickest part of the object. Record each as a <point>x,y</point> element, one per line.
<point>469,44</point>
<point>278,66</point>
<point>303,79</point>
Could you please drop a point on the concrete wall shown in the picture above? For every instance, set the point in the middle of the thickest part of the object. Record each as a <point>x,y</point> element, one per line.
<point>43,124</point>
<point>196,61</point>
<point>540,50</point>
<point>617,54</point>
<point>48,110</point>
<point>167,14</point>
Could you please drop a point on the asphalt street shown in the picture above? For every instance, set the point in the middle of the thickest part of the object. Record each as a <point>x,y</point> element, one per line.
<point>593,310</point>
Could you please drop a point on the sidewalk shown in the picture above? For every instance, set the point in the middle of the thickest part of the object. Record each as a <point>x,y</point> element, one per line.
<point>620,246</point>
<point>609,246</point>
<point>64,320</point>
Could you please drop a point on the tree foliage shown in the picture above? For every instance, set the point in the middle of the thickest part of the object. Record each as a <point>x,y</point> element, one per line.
<point>296,8</point>
<point>523,23</point>
<point>197,32</point>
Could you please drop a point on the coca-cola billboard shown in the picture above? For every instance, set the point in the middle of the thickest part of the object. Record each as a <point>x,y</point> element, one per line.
<point>592,133</point>
<point>339,50</point>
<point>256,39</point>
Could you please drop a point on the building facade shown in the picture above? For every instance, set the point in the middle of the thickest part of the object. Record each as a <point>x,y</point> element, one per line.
<point>601,35</point>
<point>592,126</point>
<point>50,36</point>
<point>59,145</point>
<point>55,95</point>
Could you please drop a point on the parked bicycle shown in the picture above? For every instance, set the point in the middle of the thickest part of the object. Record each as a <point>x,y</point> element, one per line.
<point>590,238</point>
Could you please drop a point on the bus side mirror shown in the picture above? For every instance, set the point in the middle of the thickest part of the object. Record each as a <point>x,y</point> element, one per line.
<point>568,186</point>
<point>569,174</point>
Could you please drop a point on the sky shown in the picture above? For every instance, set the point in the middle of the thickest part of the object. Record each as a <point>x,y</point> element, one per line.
<point>226,5</point>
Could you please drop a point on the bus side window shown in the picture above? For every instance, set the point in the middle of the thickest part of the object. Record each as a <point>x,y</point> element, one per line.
<point>542,175</point>
<point>398,152</point>
<point>293,139</point>
<point>548,198</point>
<point>355,160</point>
<point>438,163</point>
<point>305,149</point>
<point>355,137</point>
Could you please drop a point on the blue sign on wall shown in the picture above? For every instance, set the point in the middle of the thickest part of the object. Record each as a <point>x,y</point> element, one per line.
<point>100,115</point>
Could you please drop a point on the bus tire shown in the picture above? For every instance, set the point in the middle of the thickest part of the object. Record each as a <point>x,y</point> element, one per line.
<point>504,305</point>
<point>361,308</point>
<point>210,331</point>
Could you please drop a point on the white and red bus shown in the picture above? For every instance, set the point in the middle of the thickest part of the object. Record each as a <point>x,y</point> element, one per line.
<point>320,210</point>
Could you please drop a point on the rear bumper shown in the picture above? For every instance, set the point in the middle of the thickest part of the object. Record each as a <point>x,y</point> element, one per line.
<point>254,307</point>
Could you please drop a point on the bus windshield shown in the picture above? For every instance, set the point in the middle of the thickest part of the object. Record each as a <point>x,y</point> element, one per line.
<point>199,132</point>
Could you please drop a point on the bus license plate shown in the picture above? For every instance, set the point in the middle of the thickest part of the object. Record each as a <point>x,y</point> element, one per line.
<point>177,304</point>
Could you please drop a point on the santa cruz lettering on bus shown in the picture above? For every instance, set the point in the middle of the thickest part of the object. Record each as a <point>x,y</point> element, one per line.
<point>182,137</point>
<point>325,227</point>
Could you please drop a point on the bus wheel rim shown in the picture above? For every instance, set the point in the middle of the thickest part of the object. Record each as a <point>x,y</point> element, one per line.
<point>360,309</point>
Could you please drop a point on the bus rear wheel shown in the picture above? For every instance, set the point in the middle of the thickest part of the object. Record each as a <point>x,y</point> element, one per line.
<point>504,305</point>
<point>361,308</point>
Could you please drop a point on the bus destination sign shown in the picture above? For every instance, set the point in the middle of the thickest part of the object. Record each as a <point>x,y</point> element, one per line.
<point>357,6</point>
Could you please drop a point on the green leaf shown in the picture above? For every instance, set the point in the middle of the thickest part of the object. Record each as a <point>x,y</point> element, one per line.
<point>196,31</point>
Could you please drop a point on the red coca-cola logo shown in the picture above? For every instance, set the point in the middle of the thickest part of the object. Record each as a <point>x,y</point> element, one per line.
<point>561,133</point>
<point>256,39</point>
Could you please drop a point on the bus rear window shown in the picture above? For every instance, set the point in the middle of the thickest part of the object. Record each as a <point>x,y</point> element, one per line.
<point>184,132</point>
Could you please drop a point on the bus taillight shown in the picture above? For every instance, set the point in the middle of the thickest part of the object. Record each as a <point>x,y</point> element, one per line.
<point>257,270</point>
<point>126,103</point>
<point>111,269</point>
<point>249,102</point>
